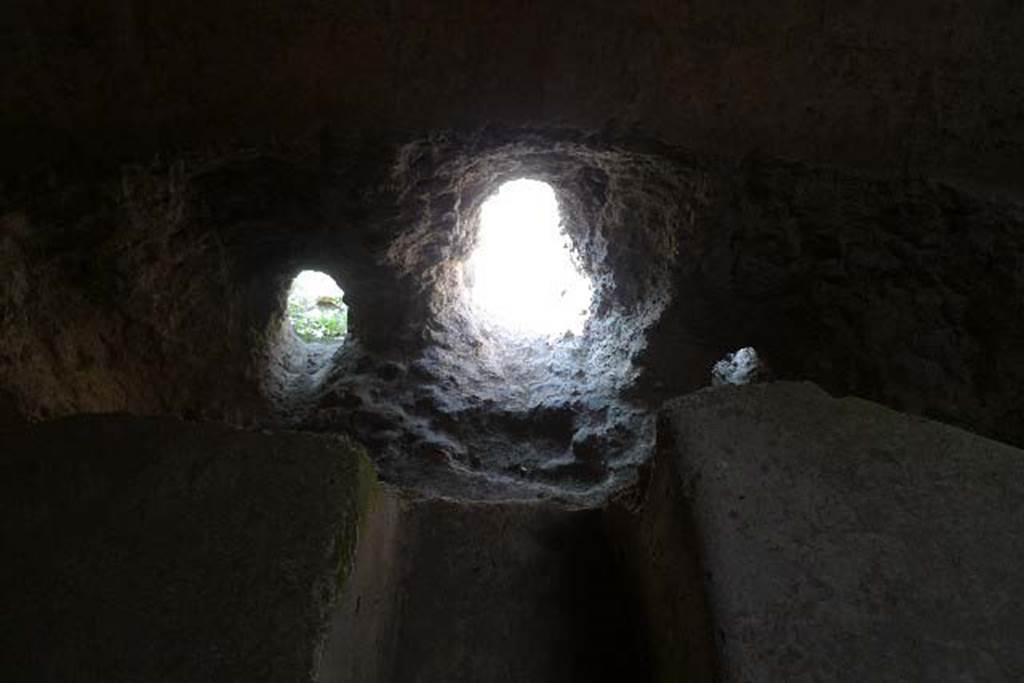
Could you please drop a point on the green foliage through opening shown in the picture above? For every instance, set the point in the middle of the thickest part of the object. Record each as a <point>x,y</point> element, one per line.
<point>316,308</point>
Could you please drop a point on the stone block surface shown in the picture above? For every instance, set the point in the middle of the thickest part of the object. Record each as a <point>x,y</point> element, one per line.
<point>146,549</point>
<point>843,541</point>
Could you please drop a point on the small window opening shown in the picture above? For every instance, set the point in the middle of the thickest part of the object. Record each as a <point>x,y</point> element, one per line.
<point>523,274</point>
<point>316,308</point>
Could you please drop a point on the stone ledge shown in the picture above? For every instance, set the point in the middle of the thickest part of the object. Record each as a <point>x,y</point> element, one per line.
<point>160,550</point>
<point>844,541</point>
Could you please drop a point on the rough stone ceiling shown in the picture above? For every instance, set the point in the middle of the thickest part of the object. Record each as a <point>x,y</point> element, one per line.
<point>161,290</point>
<point>797,176</point>
<point>904,87</point>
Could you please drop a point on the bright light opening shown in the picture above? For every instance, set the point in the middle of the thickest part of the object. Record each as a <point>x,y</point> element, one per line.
<point>523,274</point>
<point>316,308</point>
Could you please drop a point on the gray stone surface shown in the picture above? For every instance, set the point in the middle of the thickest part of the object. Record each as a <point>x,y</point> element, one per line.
<point>159,550</point>
<point>842,541</point>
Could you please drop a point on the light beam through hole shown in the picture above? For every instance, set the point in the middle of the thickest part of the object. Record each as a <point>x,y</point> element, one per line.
<point>523,275</point>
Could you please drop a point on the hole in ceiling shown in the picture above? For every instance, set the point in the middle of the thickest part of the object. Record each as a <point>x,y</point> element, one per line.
<point>523,275</point>
<point>316,308</point>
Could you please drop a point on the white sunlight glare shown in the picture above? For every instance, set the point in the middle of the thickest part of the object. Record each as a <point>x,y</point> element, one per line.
<point>310,285</point>
<point>522,274</point>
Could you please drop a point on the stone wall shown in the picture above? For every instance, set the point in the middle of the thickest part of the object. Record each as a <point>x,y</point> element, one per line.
<point>838,540</point>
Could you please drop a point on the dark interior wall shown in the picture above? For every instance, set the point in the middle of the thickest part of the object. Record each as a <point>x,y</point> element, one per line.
<point>907,293</point>
<point>155,290</point>
<point>142,289</point>
<point>125,294</point>
<point>896,86</point>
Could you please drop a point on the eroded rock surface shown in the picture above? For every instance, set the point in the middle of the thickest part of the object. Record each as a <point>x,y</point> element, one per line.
<point>162,290</point>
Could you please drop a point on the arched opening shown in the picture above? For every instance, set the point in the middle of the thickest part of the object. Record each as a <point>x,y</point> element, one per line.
<point>522,275</point>
<point>303,342</point>
<point>316,308</point>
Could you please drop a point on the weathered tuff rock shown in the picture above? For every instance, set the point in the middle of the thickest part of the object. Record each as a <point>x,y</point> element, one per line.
<point>159,550</point>
<point>161,290</point>
<point>842,541</point>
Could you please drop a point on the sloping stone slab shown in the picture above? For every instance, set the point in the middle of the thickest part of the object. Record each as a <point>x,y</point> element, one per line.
<point>140,549</point>
<point>842,541</point>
